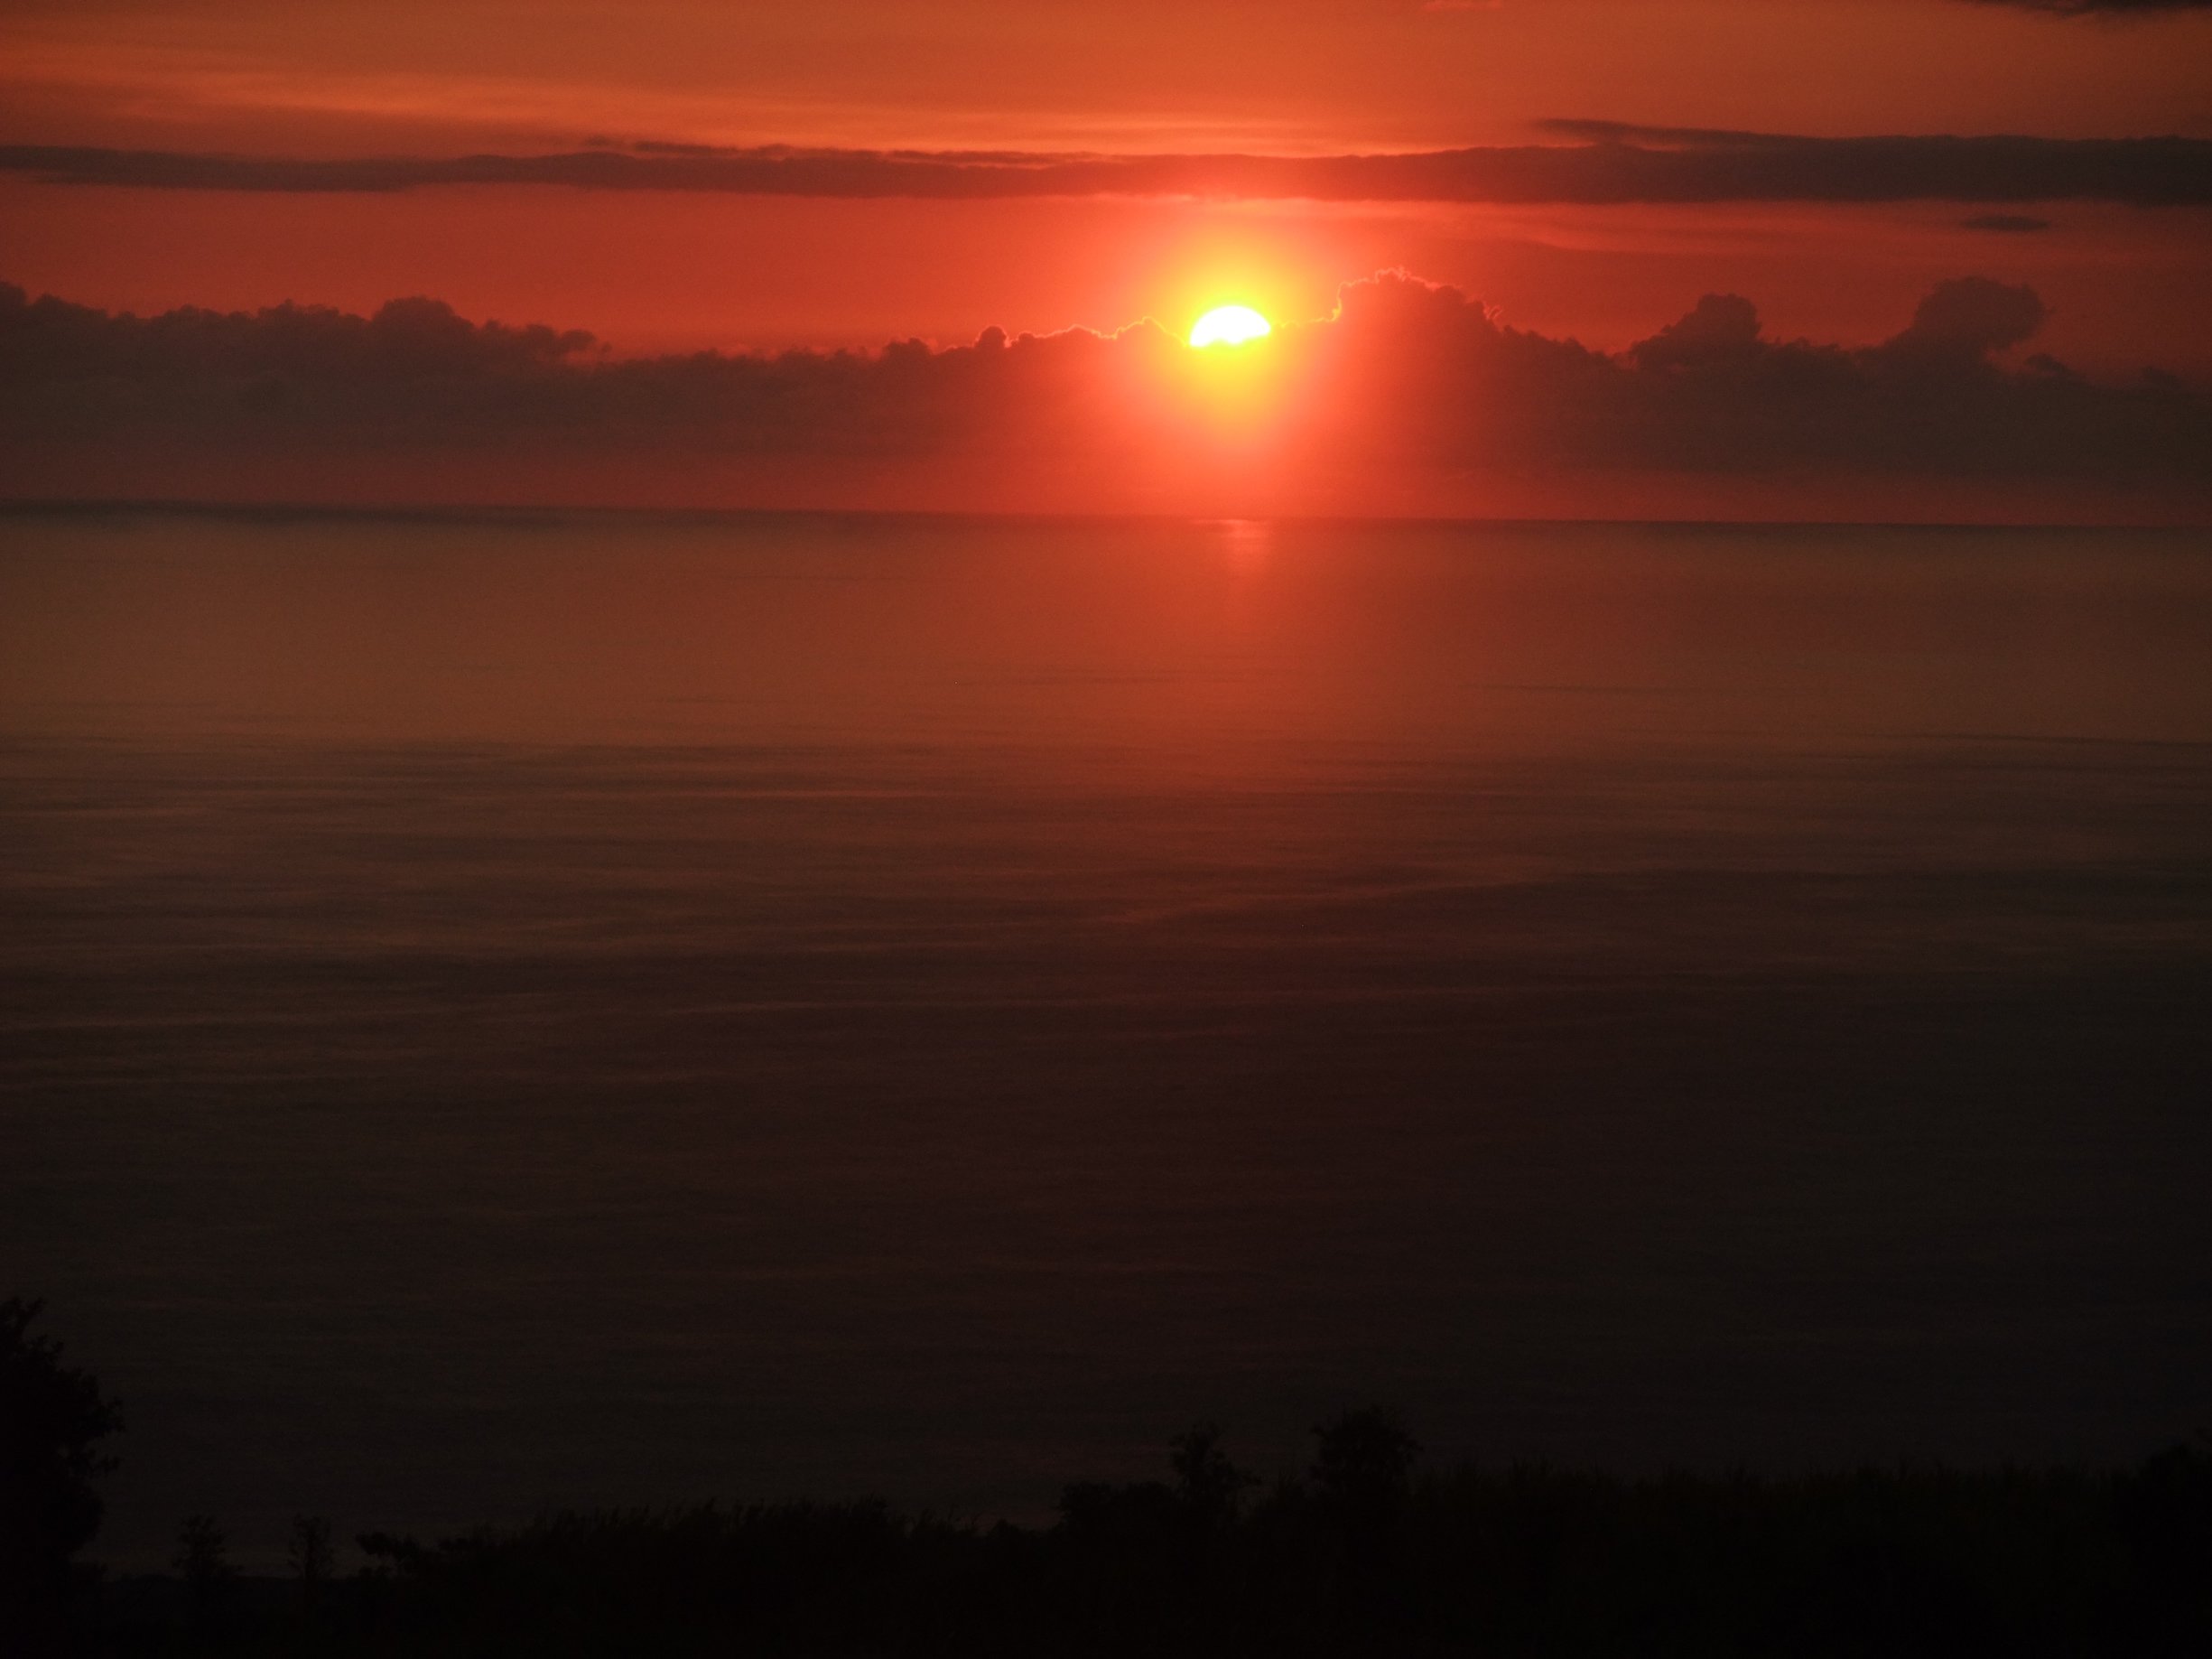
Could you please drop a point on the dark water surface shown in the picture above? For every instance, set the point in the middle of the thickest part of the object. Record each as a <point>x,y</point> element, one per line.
<point>576,1009</point>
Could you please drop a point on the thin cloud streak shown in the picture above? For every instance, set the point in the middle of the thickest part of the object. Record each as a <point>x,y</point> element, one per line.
<point>1602,162</point>
<point>2102,8</point>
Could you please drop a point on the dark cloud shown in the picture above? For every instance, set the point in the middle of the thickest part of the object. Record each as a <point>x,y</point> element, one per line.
<point>1969,318</point>
<point>2014,224</point>
<point>1712,393</point>
<point>2102,8</point>
<point>1596,162</point>
<point>1722,327</point>
<point>1406,380</point>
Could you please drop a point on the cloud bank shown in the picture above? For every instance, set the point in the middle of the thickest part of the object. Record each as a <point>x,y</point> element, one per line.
<point>1410,398</point>
<point>1596,163</point>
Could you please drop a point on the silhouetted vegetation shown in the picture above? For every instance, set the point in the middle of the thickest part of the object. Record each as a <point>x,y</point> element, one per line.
<point>203,1561</point>
<point>1364,1554</point>
<point>52,1420</point>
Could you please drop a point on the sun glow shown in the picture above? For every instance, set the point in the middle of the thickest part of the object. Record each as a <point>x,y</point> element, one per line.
<point>1230,325</point>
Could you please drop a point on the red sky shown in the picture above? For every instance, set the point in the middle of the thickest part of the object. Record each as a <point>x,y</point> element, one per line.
<point>654,271</point>
<point>376,75</point>
<point>421,82</point>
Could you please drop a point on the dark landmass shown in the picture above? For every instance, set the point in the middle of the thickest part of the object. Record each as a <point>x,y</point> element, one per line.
<point>1361,1556</point>
<point>1365,1553</point>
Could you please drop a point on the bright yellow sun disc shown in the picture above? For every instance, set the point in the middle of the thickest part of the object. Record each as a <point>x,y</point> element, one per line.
<point>1230,325</point>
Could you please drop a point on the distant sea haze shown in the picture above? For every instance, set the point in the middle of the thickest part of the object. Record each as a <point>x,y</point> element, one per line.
<point>513,1009</point>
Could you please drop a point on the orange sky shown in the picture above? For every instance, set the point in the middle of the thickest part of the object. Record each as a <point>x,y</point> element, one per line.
<point>672,269</point>
<point>655,272</point>
<point>433,78</point>
<point>353,75</point>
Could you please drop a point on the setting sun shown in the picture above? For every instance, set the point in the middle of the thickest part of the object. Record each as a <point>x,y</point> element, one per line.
<point>1230,325</point>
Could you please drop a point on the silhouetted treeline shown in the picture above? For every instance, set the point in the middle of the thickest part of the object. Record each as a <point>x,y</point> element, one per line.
<point>1361,1556</point>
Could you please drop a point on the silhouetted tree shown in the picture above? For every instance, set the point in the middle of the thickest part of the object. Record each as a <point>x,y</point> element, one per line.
<point>52,1418</point>
<point>203,1560</point>
<point>308,1553</point>
<point>1207,1482</point>
<point>1364,1467</point>
<point>1363,1473</point>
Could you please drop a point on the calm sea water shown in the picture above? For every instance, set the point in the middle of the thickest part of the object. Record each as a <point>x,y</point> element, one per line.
<point>516,1011</point>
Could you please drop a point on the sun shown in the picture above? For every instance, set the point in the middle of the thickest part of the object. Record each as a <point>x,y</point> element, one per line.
<point>1230,325</point>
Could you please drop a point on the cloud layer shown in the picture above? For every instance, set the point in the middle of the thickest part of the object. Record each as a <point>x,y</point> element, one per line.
<point>1597,162</point>
<point>1411,395</point>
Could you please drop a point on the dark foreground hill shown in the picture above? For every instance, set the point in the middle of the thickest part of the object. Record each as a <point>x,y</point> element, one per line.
<point>1360,1557</point>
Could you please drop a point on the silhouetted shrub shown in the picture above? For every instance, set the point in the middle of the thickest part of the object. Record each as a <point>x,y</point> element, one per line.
<point>52,1420</point>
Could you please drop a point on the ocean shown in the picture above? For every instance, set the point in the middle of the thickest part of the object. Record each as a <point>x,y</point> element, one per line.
<point>516,1009</point>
